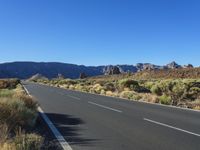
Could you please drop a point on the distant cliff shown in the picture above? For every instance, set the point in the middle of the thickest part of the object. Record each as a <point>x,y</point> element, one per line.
<point>24,70</point>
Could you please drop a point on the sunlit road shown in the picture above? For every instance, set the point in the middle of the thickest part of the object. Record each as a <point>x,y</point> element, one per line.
<point>92,122</point>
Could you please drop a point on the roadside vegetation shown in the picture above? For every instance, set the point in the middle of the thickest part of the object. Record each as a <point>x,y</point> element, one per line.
<point>18,114</point>
<point>182,92</point>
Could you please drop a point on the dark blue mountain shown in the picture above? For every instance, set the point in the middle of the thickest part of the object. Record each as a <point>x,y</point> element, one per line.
<point>24,70</point>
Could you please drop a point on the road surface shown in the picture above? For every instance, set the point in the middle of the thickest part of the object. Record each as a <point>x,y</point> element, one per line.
<point>92,122</point>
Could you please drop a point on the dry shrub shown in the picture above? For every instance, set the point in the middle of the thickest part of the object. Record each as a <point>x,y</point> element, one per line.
<point>7,146</point>
<point>110,93</point>
<point>71,87</point>
<point>17,110</point>
<point>109,87</point>
<point>132,85</point>
<point>150,98</point>
<point>127,89</point>
<point>4,133</point>
<point>65,81</point>
<point>127,94</point>
<point>97,88</point>
<point>130,95</point>
<point>24,141</point>
<point>195,105</point>
<point>103,92</point>
<point>79,87</point>
<point>128,83</point>
<point>9,83</point>
<point>65,86</point>
<point>183,73</point>
<point>29,101</point>
<point>143,86</point>
<point>6,93</point>
<point>15,113</point>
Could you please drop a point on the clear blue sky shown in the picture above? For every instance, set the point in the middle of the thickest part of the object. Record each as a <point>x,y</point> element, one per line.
<point>96,32</point>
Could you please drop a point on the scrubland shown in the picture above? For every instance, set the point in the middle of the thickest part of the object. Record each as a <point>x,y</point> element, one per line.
<point>18,114</point>
<point>155,87</point>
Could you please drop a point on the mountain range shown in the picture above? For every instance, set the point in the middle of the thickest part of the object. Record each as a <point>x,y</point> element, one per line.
<point>24,70</point>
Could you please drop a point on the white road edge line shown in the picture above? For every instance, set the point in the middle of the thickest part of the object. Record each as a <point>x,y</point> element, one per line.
<point>171,127</point>
<point>116,110</point>
<point>56,133</point>
<point>54,130</point>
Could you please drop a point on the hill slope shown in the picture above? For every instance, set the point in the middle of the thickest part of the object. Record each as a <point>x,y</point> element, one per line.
<point>24,70</point>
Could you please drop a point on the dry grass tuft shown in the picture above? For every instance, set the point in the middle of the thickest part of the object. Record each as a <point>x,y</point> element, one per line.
<point>18,110</point>
<point>9,83</point>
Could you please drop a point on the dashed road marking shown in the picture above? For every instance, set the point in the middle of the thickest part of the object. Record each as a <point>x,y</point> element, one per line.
<point>171,127</point>
<point>106,107</point>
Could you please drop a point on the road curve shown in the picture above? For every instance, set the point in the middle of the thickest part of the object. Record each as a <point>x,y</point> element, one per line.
<point>92,122</point>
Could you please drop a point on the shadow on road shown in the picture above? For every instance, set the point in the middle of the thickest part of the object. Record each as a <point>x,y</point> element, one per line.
<point>70,128</point>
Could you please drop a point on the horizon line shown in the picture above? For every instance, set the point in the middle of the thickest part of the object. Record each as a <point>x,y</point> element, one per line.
<point>24,61</point>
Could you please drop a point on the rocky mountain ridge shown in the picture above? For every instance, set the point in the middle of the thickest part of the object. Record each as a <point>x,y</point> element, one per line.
<point>24,70</point>
<point>109,70</point>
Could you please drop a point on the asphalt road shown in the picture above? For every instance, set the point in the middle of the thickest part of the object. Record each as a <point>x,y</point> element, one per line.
<point>92,122</point>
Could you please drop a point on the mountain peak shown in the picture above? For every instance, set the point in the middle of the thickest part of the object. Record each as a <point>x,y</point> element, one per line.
<point>173,65</point>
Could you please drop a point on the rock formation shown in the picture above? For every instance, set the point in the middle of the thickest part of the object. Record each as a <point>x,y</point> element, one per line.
<point>83,75</point>
<point>111,70</point>
<point>172,65</point>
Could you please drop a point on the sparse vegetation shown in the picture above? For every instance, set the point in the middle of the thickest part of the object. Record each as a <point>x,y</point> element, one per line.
<point>9,84</point>
<point>18,113</point>
<point>164,99</point>
<point>169,90</point>
<point>181,73</point>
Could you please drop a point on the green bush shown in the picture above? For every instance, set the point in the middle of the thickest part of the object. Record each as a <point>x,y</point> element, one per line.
<point>178,92</point>
<point>155,89</point>
<point>149,84</point>
<point>193,93</point>
<point>164,99</point>
<point>132,85</point>
<point>166,86</point>
<point>128,83</point>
